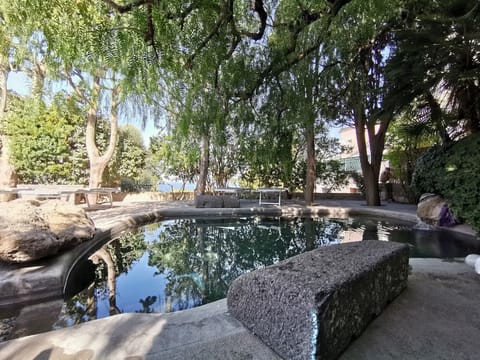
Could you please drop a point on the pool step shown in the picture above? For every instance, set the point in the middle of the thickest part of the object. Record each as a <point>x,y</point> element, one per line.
<point>313,305</point>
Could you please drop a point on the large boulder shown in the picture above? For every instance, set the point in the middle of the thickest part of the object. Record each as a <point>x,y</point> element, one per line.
<point>31,230</point>
<point>433,210</point>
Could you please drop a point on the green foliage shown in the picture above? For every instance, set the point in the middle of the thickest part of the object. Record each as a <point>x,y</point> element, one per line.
<point>435,53</point>
<point>172,155</point>
<point>46,143</point>
<point>428,176</point>
<point>198,62</point>
<point>269,160</point>
<point>331,174</point>
<point>128,162</point>
<point>452,172</point>
<point>408,137</point>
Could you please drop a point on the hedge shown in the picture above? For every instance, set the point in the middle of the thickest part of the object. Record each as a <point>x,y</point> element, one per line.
<point>453,171</point>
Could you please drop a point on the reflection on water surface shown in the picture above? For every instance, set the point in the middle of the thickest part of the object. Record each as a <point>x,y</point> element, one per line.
<point>178,264</point>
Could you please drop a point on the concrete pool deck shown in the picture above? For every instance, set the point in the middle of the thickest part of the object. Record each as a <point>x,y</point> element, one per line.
<point>437,317</point>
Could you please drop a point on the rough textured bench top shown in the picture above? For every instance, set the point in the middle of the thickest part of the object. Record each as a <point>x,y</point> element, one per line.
<point>313,305</point>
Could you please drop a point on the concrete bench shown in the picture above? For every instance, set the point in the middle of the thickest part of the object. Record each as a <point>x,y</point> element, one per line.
<point>216,201</point>
<point>313,305</point>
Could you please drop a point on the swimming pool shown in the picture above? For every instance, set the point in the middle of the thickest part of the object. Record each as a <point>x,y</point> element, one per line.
<point>178,264</point>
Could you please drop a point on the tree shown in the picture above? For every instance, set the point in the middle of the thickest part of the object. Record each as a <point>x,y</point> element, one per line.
<point>46,144</point>
<point>7,172</point>
<point>406,140</point>
<point>213,36</point>
<point>173,155</point>
<point>222,50</point>
<point>435,65</point>
<point>356,83</point>
<point>83,46</point>
<point>128,161</point>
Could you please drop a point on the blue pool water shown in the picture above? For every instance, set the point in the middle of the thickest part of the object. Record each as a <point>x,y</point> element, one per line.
<point>179,264</point>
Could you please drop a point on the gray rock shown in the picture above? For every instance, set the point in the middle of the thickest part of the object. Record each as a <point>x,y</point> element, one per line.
<point>31,230</point>
<point>231,202</point>
<point>216,201</point>
<point>208,201</point>
<point>313,305</point>
<point>429,208</point>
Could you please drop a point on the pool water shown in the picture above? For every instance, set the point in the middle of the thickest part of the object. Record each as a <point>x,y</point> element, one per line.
<point>179,264</point>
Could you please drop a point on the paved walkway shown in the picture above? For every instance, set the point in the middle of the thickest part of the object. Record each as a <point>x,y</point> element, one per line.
<point>436,317</point>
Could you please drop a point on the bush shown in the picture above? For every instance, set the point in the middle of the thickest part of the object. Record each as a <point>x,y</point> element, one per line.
<point>128,185</point>
<point>453,172</point>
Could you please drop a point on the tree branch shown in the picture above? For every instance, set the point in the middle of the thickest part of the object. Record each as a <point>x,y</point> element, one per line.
<point>121,9</point>
<point>74,86</point>
<point>257,6</point>
<point>205,41</point>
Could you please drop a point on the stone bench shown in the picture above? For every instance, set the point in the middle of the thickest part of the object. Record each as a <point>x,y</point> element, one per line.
<point>313,305</point>
<point>216,201</point>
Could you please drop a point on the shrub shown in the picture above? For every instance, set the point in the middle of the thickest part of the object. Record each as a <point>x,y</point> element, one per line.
<point>128,185</point>
<point>452,172</point>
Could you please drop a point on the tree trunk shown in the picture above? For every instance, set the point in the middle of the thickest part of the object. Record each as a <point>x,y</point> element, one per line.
<point>376,136</point>
<point>7,172</point>
<point>311,173</point>
<point>204,163</point>
<point>99,162</point>
<point>111,276</point>
<point>372,189</point>
<point>37,74</point>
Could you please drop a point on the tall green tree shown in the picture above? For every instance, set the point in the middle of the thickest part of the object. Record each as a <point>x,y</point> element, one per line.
<point>7,171</point>
<point>356,83</point>
<point>84,46</point>
<point>435,65</point>
<point>46,144</point>
<point>128,161</point>
<point>172,155</point>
